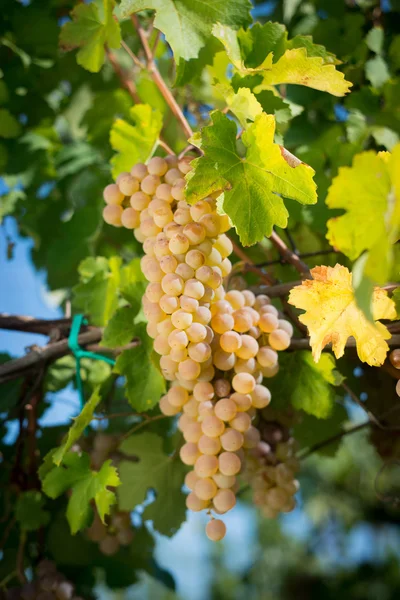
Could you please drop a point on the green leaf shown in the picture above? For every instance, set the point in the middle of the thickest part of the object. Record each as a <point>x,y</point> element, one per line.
<point>376,70</point>
<point>363,287</point>
<point>120,328</point>
<point>85,485</point>
<point>135,143</point>
<point>265,49</point>
<point>29,511</point>
<point>144,382</point>
<point>97,296</point>
<point>310,386</point>
<point>311,430</point>
<point>9,126</point>
<point>92,27</point>
<point>78,427</point>
<point>187,24</point>
<point>374,39</point>
<point>254,184</point>
<point>153,470</point>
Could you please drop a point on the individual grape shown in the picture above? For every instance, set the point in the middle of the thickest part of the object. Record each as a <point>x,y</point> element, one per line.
<point>224,481</point>
<point>225,409</point>
<point>202,315</point>
<point>215,530</point>
<point>191,479</point>
<point>229,463</point>
<point>206,409</point>
<point>189,453</point>
<point>224,500</point>
<point>230,341</point>
<point>243,320</point>
<point>181,319</point>
<point>209,445</point>
<point>222,323</point>
<point>189,369</point>
<point>203,391</point>
<point>169,304</point>
<point>224,361</point>
<point>249,347</point>
<point>184,421</point>
<point>157,166</point>
<point>109,545</point>
<point>128,185</point>
<point>260,396</point>
<point>241,422</point>
<point>195,259</point>
<point>179,244</point>
<point>270,371</point>
<point>130,218</point>
<point>245,366</point>
<point>398,387</point>
<point>242,401</point>
<point>205,488</point>
<point>165,327</point>
<point>191,408</point>
<point>270,309</point>
<point>267,357</point>
<point>244,383</point>
<point>194,503</point>
<point>112,214</point>
<point>154,292</point>
<point>232,440</point>
<point>178,190</point>
<point>196,234</point>
<point>172,176</point>
<point>178,396</point>
<point>394,357</point>
<point>199,352</point>
<point>184,271</point>
<point>196,332</point>
<point>206,465</point>
<point>199,209</point>
<point>184,165</point>
<point>268,323</point>
<point>139,171</point>
<point>212,426</point>
<point>149,184</point>
<point>276,497</point>
<point>182,215</point>
<point>161,345</point>
<point>207,372</point>
<point>172,284</point>
<point>168,264</point>
<point>113,195</point>
<point>235,299</point>
<point>194,289</point>
<point>279,339</point>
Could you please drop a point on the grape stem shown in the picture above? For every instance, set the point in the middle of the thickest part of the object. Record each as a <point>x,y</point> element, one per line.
<point>158,80</point>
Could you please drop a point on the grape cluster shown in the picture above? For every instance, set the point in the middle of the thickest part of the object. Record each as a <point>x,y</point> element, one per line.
<point>271,465</point>
<point>118,530</point>
<point>48,585</point>
<point>215,346</point>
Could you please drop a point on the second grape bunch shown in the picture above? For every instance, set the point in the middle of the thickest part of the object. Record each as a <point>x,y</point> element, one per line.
<point>216,346</point>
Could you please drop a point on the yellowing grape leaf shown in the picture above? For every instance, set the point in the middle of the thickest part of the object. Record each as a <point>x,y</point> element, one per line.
<point>332,315</point>
<point>252,185</point>
<point>92,27</point>
<point>266,50</point>
<point>369,191</point>
<point>243,104</point>
<point>187,24</point>
<point>135,142</point>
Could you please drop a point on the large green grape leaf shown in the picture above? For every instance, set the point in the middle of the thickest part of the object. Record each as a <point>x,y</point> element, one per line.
<point>310,386</point>
<point>310,430</point>
<point>267,51</point>
<point>144,383</point>
<point>135,143</point>
<point>153,470</point>
<point>92,27</point>
<point>120,328</point>
<point>85,485</point>
<point>79,425</point>
<point>9,126</point>
<point>187,24</point>
<point>253,185</point>
<point>369,192</point>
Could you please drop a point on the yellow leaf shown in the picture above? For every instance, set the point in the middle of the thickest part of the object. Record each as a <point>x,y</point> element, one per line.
<point>296,67</point>
<point>332,315</point>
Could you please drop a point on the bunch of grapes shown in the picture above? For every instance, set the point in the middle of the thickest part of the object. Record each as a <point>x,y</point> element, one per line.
<point>118,531</point>
<point>271,465</point>
<point>215,346</point>
<point>48,585</point>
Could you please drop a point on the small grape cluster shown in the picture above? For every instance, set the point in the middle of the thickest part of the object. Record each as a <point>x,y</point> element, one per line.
<point>118,531</point>
<point>48,585</point>
<point>271,465</point>
<point>215,346</point>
